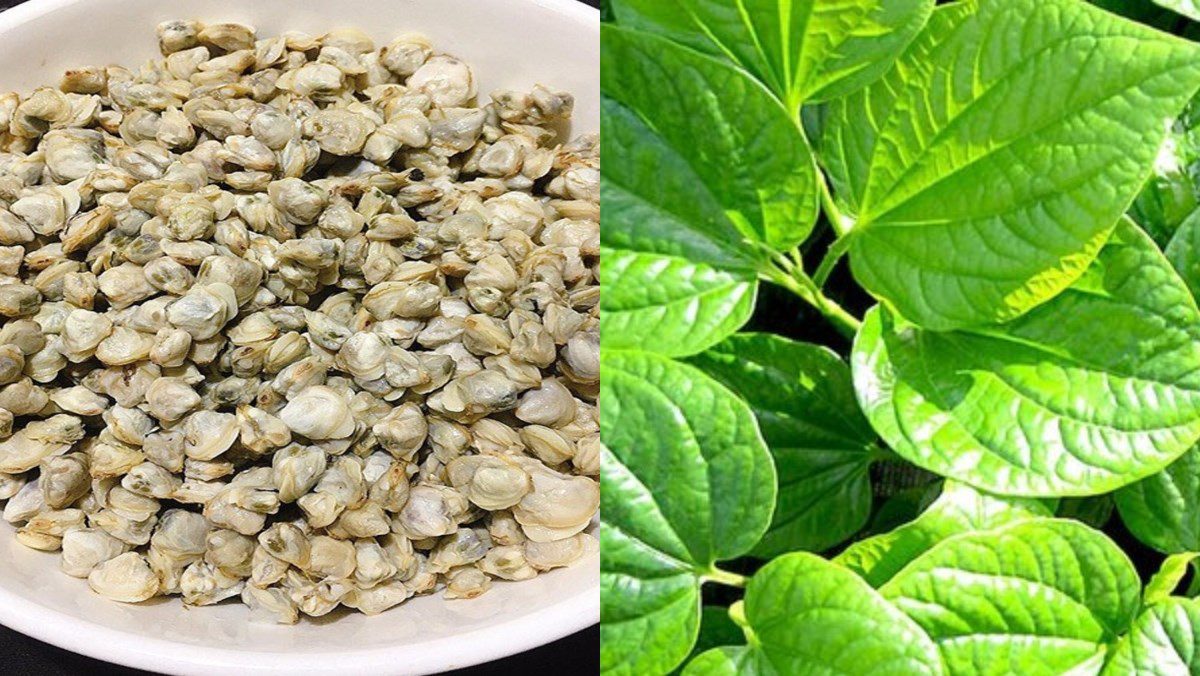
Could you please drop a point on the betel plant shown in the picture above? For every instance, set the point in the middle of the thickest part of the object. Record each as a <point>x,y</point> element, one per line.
<point>1030,346</point>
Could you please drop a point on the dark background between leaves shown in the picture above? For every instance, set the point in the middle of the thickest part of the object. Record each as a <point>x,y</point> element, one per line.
<point>575,654</point>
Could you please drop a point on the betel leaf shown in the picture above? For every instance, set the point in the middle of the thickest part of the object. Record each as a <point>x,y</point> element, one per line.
<point>803,50</point>
<point>1163,510</point>
<point>959,509</point>
<point>1084,394</point>
<point>745,151</point>
<point>1041,596</point>
<point>979,190</point>
<point>823,447</point>
<point>668,304</point>
<point>809,616</point>
<point>687,482</point>
<point>1164,640</point>
<point>705,175</point>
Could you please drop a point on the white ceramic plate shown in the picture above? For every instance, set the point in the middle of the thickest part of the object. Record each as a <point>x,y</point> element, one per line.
<point>510,43</point>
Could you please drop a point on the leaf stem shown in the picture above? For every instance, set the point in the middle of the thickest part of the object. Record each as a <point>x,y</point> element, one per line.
<point>842,224</point>
<point>792,278</point>
<point>838,249</point>
<point>725,577</point>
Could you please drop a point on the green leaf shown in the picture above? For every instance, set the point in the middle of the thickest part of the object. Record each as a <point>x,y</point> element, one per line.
<point>1167,579</point>
<point>823,447</point>
<point>705,175</point>
<point>959,509</point>
<point>803,50</point>
<point>690,117</point>
<point>809,616</point>
<point>1165,640</point>
<point>1086,393</point>
<point>1188,8</point>
<point>1041,596</point>
<point>980,189</point>
<point>687,482</point>
<point>1163,510</point>
<point>1183,250</point>
<point>669,305</point>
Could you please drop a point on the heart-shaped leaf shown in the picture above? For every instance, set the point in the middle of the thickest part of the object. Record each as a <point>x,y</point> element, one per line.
<point>705,176</point>
<point>809,616</point>
<point>803,398</point>
<point>671,305</point>
<point>1041,596</point>
<point>979,190</point>
<point>804,50</point>
<point>1086,393</point>
<point>959,509</point>
<point>687,482</point>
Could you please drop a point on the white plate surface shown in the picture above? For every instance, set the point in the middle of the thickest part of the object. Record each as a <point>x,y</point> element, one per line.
<point>510,44</point>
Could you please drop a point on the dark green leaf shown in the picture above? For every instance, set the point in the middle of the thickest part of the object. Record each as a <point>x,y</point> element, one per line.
<point>1084,394</point>
<point>981,192</point>
<point>804,401</point>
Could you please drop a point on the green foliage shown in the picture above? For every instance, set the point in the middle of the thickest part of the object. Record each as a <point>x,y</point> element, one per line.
<point>1027,342</point>
<point>1165,639</point>
<point>1041,405</point>
<point>959,509</point>
<point>807,615</point>
<point>823,447</point>
<point>804,50</point>
<point>687,482</point>
<point>973,594</point>
<point>935,161</point>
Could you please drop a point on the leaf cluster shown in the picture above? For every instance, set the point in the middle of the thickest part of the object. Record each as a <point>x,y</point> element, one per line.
<point>926,494</point>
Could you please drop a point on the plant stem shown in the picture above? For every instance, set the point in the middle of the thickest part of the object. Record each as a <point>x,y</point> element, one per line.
<point>725,577</point>
<point>793,279</point>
